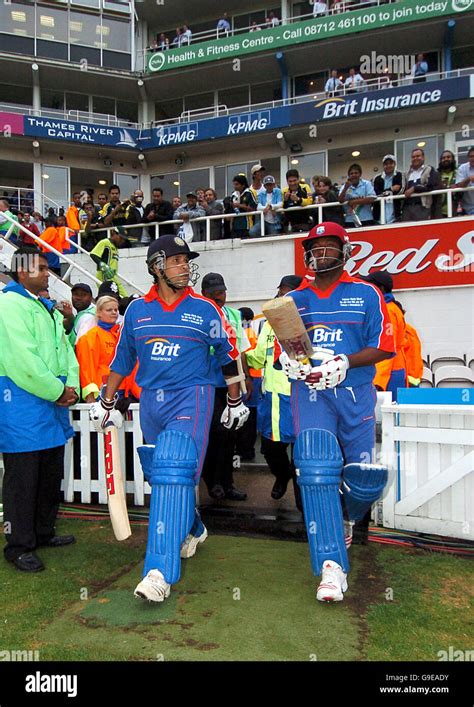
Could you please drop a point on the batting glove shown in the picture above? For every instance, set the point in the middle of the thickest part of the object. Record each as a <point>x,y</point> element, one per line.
<point>295,370</point>
<point>103,414</point>
<point>329,374</point>
<point>235,415</point>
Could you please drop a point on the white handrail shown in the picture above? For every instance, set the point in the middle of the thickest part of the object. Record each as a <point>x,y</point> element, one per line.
<point>119,275</point>
<point>50,248</point>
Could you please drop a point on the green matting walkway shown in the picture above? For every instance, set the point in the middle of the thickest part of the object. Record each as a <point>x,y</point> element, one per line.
<point>239,598</point>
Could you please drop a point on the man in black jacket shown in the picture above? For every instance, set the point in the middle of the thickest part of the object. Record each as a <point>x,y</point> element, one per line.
<point>386,184</point>
<point>159,210</point>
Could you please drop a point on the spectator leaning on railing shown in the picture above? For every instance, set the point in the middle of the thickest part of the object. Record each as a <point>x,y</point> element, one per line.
<point>223,26</point>
<point>213,207</point>
<point>269,200</point>
<point>243,200</point>
<point>135,213</point>
<point>355,83</point>
<point>357,196</point>
<point>447,169</point>
<point>319,8</point>
<point>388,183</point>
<point>333,85</point>
<point>465,178</point>
<point>113,213</point>
<point>325,193</point>
<point>296,194</point>
<point>159,210</point>
<point>189,211</point>
<point>419,180</point>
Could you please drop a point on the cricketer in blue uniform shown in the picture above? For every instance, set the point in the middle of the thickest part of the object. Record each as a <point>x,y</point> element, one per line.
<point>171,331</point>
<point>333,403</point>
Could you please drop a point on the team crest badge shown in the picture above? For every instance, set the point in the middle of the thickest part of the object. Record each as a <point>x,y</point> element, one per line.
<point>179,241</point>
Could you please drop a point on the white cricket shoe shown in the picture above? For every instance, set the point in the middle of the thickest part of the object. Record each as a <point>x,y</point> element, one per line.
<point>189,547</point>
<point>348,531</point>
<point>153,587</point>
<point>333,582</point>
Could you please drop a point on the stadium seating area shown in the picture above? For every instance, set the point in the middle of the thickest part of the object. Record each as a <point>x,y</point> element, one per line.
<point>445,368</point>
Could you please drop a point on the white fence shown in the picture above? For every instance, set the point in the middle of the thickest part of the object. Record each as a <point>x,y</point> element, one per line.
<point>84,469</point>
<point>428,448</point>
<point>430,451</point>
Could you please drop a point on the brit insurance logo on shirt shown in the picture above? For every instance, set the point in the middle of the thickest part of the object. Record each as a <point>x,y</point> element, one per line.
<point>162,349</point>
<point>323,334</point>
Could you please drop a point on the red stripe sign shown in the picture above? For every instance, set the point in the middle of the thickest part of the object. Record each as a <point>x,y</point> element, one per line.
<point>431,254</point>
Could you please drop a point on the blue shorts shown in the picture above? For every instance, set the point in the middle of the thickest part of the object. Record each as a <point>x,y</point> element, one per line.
<point>187,410</point>
<point>349,413</point>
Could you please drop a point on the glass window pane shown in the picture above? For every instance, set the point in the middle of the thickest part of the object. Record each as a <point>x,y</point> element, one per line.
<point>192,180</point>
<point>17,19</point>
<point>168,182</point>
<point>127,183</point>
<point>117,5</point>
<point>168,109</point>
<point>126,110</point>
<point>201,100</point>
<point>55,186</point>
<point>266,92</point>
<point>86,3</point>
<point>234,97</point>
<point>115,34</point>
<point>219,180</point>
<point>22,95</point>
<point>308,165</point>
<point>82,29</point>
<point>52,99</point>
<point>77,101</point>
<point>51,24</point>
<point>101,104</point>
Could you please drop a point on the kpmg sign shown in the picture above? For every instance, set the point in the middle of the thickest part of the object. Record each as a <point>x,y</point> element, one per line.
<point>429,93</point>
<point>326,27</point>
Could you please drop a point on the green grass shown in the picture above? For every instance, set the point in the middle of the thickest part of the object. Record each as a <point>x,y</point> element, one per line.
<point>238,599</point>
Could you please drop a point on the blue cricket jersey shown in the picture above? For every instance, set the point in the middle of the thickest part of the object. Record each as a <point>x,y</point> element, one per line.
<point>349,316</point>
<point>172,342</point>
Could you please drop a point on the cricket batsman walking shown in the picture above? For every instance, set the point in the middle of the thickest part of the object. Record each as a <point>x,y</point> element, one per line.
<point>333,401</point>
<point>171,331</point>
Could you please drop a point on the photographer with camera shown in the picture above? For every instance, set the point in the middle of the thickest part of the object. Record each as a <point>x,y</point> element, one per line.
<point>114,211</point>
<point>387,184</point>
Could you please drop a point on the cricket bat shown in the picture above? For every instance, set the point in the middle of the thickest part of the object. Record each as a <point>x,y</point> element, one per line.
<point>289,329</point>
<point>116,497</point>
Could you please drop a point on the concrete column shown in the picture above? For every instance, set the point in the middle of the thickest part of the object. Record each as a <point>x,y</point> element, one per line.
<point>36,89</point>
<point>285,10</point>
<point>37,170</point>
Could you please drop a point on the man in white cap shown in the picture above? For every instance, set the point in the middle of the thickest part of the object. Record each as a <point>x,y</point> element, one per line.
<point>256,172</point>
<point>387,184</point>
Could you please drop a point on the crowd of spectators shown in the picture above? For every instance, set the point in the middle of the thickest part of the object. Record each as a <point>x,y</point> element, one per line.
<point>353,203</point>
